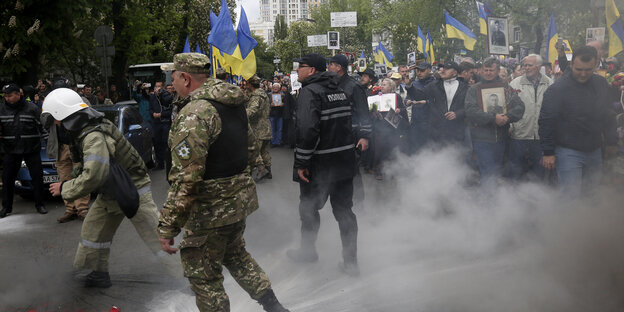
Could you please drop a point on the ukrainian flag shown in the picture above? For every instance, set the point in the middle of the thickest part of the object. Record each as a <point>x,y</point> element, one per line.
<point>553,37</point>
<point>616,30</point>
<point>383,56</point>
<point>246,44</point>
<point>430,45</point>
<point>455,29</point>
<point>484,11</point>
<point>422,43</point>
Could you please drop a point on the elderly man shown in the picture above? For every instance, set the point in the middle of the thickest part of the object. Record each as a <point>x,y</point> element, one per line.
<point>490,130</point>
<point>524,146</point>
<point>212,192</point>
<point>575,122</point>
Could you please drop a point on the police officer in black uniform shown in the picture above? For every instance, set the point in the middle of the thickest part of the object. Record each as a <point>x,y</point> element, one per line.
<point>21,140</point>
<point>324,158</point>
<point>160,109</point>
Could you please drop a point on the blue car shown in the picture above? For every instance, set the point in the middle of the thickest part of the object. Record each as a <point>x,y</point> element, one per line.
<point>128,120</point>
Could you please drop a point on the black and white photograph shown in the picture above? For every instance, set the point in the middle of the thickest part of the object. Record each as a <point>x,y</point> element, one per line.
<point>492,98</point>
<point>411,59</point>
<point>333,40</point>
<point>595,34</point>
<point>498,42</point>
<point>362,64</point>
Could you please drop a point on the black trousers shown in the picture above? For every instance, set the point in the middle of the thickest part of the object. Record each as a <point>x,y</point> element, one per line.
<point>12,164</point>
<point>161,134</point>
<point>313,197</point>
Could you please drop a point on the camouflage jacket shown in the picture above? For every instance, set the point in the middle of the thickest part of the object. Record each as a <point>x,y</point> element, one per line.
<point>192,202</point>
<point>258,109</point>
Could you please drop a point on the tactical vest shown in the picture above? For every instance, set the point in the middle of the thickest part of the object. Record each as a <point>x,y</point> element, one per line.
<point>227,156</point>
<point>125,154</point>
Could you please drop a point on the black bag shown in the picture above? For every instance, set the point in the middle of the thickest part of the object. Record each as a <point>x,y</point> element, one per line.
<point>119,185</point>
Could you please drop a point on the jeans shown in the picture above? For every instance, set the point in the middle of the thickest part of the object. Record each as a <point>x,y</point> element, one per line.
<point>525,154</point>
<point>577,171</point>
<point>490,161</point>
<point>276,128</point>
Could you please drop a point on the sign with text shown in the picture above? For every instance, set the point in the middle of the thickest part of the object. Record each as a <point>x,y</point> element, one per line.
<point>317,41</point>
<point>333,40</point>
<point>343,19</point>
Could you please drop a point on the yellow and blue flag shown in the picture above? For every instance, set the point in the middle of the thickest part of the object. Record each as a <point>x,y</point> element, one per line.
<point>430,46</point>
<point>616,29</point>
<point>222,33</point>
<point>484,12</point>
<point>383,56</point>
<point>455,29</point>
<point>246,44</point>
<point>552,37</point>
<point>422,43</point>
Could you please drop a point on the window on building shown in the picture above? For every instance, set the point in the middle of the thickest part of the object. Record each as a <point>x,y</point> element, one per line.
<point>517,34</point>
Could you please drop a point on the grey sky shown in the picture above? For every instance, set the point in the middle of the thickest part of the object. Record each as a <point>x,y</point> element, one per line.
<point>252,8</point>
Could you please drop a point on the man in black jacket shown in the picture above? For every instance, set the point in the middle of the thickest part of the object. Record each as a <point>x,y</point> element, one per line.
<point>445,99</point>
<point>160,109</point>
<point>575,121</point>
<point>324,159</point>
<point>21,140</point>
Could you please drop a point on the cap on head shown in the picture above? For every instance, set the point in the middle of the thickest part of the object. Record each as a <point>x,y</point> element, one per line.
<point>63,102</point>
<point>254,80</point>
<point>192,63</point>
<point>340,60</point>
<point>396,76</point>
<point>450,65</point>
<point>370,73</point>
<point>313,60</point>
<point>423,65</point>
<point>11,87</point>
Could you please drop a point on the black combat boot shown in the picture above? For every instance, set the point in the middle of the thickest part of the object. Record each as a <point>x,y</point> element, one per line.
<point>270,303</point>
<point>5,211</point>
<point>41,209</point>
<point>98,279</point>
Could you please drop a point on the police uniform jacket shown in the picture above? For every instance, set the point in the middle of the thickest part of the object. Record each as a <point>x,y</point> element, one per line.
<point>324,140</point>
<point>21,127</point>
<point>360,118</point>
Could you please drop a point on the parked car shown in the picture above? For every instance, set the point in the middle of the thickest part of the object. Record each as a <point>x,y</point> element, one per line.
<point>126,116</point>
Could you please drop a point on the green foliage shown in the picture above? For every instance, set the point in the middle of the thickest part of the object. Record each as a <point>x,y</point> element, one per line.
<point>280,30</point>
<point>264,58</point>
<point>295,45</point>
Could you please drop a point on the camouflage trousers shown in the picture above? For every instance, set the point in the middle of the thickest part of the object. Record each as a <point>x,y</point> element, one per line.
<point>203,258</point>
<point>101,223</point>
<point>264,152</point>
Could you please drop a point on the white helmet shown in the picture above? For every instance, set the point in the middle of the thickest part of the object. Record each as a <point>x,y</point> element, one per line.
<point>63,102</point>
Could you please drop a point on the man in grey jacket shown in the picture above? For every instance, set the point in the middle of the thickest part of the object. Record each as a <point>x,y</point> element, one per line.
<point>490,129</point>
<point>524,147</point>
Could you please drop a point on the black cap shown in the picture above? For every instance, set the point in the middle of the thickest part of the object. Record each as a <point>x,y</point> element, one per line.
<point>370,73</point>
<point>340,60</point>
<point>11,87</point>
<point>451,64</point>
<point>423,65</point>
<point>313,60</point>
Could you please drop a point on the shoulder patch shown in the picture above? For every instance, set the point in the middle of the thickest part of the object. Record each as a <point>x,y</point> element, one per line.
<point>183,150</point>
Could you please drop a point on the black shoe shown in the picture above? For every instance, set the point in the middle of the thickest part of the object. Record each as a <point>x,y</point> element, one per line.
<point>270,303</point>
<point>302,255</point>
<point>98,279</point>
<point>41,209</point>
<point>349,268</point>
<point>4,212</point>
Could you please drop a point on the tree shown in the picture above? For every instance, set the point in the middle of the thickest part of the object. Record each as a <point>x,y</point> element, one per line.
<point>280,30</point>
<point>264,58</point>
<point>294,45</point>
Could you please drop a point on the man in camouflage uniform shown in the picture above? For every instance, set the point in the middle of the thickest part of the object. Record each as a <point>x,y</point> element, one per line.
<point>212,192</point>
<point>96,142</point>
<point>258,108</point>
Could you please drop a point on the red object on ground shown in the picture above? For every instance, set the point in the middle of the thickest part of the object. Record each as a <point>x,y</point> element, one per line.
<point>115,309</point>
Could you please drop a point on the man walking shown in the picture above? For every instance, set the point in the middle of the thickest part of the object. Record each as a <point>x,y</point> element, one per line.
<point>258,108</point>
<point>212,191</point>
<point>324,159</point>
<point>575,121</point>
<point>524,147</point>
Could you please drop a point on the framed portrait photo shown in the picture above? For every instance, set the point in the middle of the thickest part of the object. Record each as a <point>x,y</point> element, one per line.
<point>498,38</point>
<point>491,98</point>
<point>411,59</point>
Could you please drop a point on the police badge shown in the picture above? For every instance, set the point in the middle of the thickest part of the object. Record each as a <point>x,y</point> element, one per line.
<point>183,150</point>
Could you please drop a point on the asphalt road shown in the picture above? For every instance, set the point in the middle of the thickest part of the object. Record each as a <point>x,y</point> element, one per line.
<point>426,243</point>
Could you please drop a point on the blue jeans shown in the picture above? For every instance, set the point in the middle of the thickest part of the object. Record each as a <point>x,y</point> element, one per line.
<point>577,171</point>
<point>490,161</point>
<point>276,128</point>
<point>525,154</point>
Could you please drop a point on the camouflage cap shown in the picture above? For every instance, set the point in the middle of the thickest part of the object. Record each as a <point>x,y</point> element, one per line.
<point>221,71</point>
<point>192,63</point>
<point>254,79</point>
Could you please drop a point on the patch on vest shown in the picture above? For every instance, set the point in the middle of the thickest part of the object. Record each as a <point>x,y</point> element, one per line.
<point>183,150</point>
